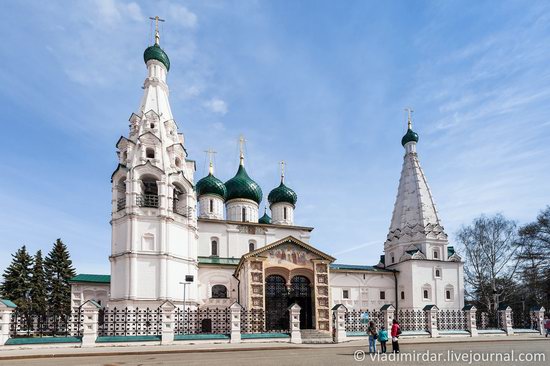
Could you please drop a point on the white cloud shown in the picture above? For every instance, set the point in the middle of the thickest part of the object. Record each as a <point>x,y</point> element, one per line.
<point>216,105</point>
<point>183,16</point>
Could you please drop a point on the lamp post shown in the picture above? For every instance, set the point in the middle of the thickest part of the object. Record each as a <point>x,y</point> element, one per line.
<point>184,286</point>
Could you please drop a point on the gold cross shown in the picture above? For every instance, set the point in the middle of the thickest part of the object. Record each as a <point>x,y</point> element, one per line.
<point>210,154</point>
<point>409,111</point>
<point>241,148</point>
<point>157,34</point>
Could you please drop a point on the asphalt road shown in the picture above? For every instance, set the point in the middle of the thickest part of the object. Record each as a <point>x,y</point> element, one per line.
<point>412,354</point>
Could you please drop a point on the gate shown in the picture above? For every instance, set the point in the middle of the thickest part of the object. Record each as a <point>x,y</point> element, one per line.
<point>276,303</point>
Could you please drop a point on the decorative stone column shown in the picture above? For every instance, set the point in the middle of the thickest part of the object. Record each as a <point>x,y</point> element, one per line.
<point>6,309</point>
<point>470,319</point>
<point>388,314</point>
<point>90,323</point>
<point>431,312</point>
<point>235,310</point>
<point>168,310</point>
<point>538,315</point>
<point>339,315</point>
<point>505,316</point>
<point>294,313</point>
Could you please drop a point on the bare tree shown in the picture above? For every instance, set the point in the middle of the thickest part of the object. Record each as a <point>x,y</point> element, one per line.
<point>490,245</point>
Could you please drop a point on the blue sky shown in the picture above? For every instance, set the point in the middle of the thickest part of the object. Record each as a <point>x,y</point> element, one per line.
<point>320,84</point>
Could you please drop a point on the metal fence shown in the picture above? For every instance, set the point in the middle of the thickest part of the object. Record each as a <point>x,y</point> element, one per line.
<point>129,322</point>
<point>28,324</point>
<point>358,320</point>
<point>524,320</point>
<point>488,320</point>
<point>254,321</point>
<point>452,320</point>
<point>196,321</point>
<point>412,320</point>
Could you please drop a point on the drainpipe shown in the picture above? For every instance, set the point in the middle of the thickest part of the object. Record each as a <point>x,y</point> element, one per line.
<point>396,290</point>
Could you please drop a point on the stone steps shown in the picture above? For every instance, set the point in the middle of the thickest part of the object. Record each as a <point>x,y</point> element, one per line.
<point>313,336</point>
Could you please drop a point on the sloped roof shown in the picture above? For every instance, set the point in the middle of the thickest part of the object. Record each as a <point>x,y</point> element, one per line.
<point>355,267</point>
<point>219,261</point>
<point>91,278</point>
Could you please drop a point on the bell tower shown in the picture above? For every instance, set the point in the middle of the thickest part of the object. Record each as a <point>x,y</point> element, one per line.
<point>154,227</point>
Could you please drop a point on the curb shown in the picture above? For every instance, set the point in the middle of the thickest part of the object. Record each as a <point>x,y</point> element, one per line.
<point>247,349</point>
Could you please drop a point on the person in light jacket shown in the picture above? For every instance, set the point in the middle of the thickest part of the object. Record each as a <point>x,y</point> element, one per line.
<point>383,338</point>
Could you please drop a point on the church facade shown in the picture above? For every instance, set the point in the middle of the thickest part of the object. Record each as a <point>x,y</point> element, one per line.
<point>202,242</point>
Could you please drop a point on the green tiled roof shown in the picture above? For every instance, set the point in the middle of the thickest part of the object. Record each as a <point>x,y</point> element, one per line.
<point>450,251</point>
<point>211,185</point>
<point>91,278</point>
<point>265,219</point>
<point>220,261</point>
<point>409,136</point>
<point>8,303</point>
<point>154,52</point>
<point>242,186</point>
<point>356,267</point>
<point>282,194</point>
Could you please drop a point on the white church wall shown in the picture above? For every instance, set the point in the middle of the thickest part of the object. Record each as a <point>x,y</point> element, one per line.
<point>82,292</point>
<point>210,276</point>
<point>364,290</point>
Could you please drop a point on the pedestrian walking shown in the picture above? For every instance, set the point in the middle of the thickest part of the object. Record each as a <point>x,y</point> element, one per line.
<point>547,325</point>
<point>382,338</point>
<point>373,334</point>
<point>395,332</point>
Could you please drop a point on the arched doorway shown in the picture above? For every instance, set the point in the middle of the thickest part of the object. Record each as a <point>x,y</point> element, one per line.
<point>276,303</point>
<point>300,294</point>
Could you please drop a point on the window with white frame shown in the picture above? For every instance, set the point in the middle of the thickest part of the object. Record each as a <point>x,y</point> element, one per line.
<point>382,295</point>
<point>426,292</point>
<point>449,293</point>
<point>214,248</point>
<point>437,272</point>
<point>345,294</point>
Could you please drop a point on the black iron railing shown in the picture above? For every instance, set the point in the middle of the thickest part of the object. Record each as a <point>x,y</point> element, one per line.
<point>49,324</point>
<point>129,322</point>
<point>451,320</point>
<point>358,320</point>
<point>148,200</point>
<point>412,320</point>
<point>208,320</point>
<point>488,320</point>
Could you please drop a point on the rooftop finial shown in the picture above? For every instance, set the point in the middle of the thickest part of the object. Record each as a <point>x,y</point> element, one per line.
<point>210,153</point>
<point>241,149</point>
<point>282,171</point>
<point>157,34</point>
<point>409,111</point>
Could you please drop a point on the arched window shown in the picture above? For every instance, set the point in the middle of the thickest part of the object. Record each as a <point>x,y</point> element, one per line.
<point>152,125</point>
<point>426,295</point>
<point>251,246</point>
<point>150,153</point>
<point>178,162</point>
<point>402,295</point>
<point>427,292</point>
<point>244,214</point>
<point>284,213</point>
<point>214,248</point>
<point>121,194</point>
<point>211,205</point>
<point>436,254</point>
<point>179,202</point>
<point>448,294</point>
<point>437,273</point>
<point>149,189</point>
<point>219,292</point>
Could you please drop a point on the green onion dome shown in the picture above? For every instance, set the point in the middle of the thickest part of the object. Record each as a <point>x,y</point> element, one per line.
<point>409,136</point>
<point>265,219</point>
<point>242,186</point>
<point>154,52</point>
<point>282,194</point>
<point>211,185</point>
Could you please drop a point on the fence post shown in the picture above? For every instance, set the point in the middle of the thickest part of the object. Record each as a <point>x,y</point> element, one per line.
<point>538,315</point>
<point>235,310</point>
<point>168,311</point>
<point>432,312</point>
<point>6,309</point>
<point>90,312</point>
<point>470,316</point>
<point>505,316</point>
<point>388,313</point>
<point>294,314</point>
<point>339,327</point>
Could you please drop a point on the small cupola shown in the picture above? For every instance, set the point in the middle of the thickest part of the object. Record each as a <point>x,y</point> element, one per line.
<point>282,201</point>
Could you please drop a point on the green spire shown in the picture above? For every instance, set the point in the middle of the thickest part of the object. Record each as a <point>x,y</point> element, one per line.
<point>154,52</point>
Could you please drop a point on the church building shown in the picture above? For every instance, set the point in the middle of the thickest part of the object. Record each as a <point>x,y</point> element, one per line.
<point>203,243</point>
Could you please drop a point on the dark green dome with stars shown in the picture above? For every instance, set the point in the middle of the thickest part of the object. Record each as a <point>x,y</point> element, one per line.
<point>242,186</point>
<point>409,137</point>
<point>154,52</point>
<point>282,194</point>
<point>211,185</point>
